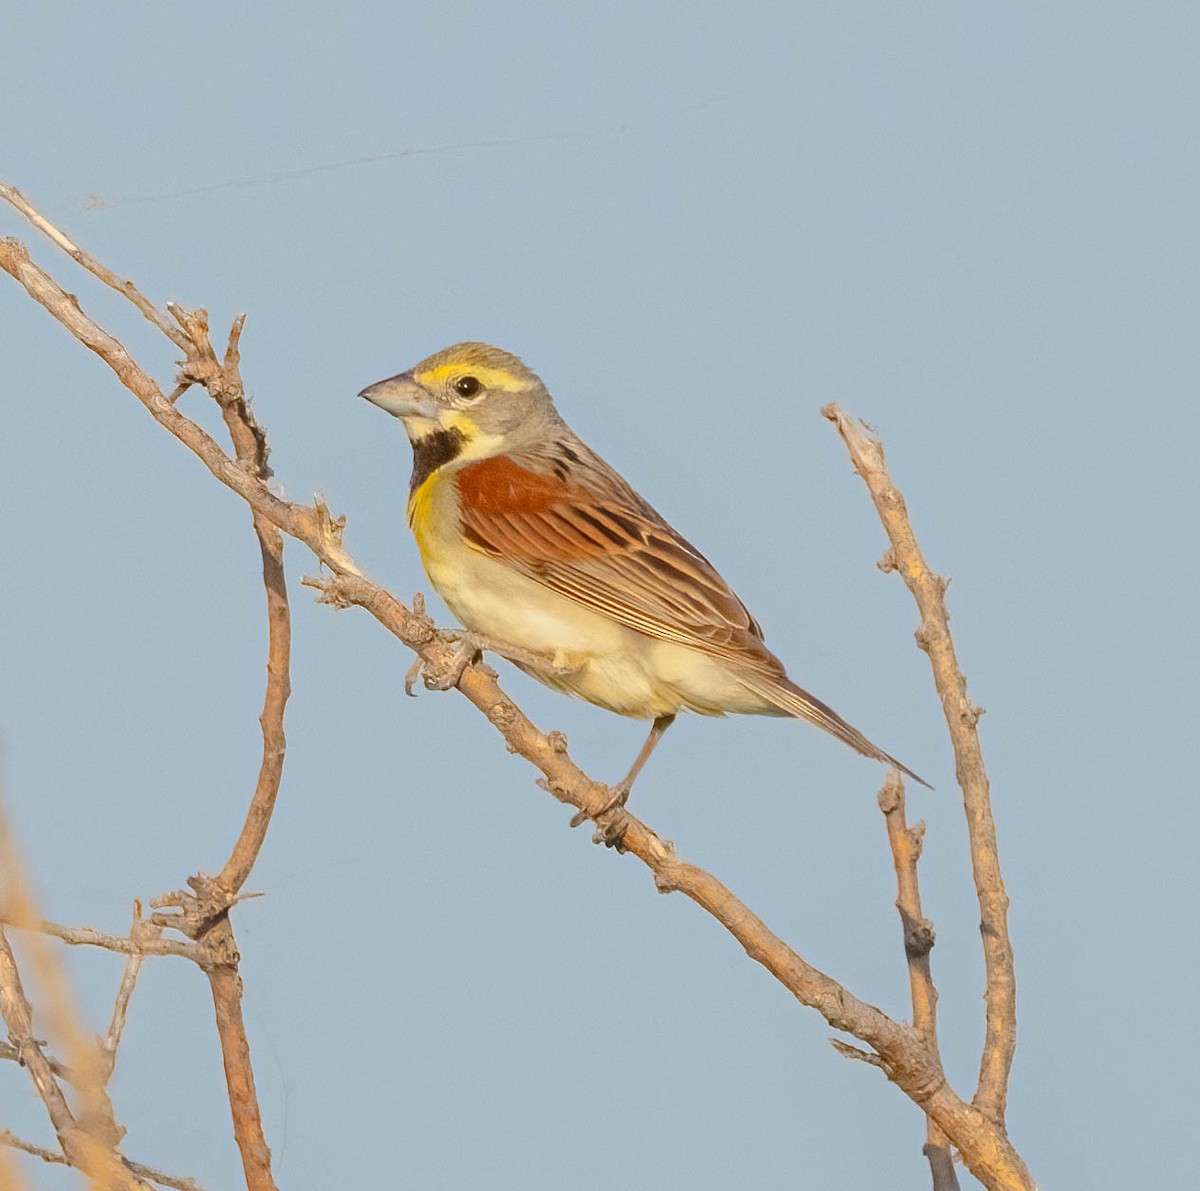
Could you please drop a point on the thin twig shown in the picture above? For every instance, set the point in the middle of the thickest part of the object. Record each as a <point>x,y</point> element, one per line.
<point>962,716</point>
<point>126,288</point>
<point>83,1149</point>
<point>90,1138</point>
<point>85,936</point>
<point>901,1049</point>
<point>139,929</point>
<point>11,1176</point>
<point>224,382</point>
<point>905,843</point>
<point>12,1054</point>
<point>7,1138</point>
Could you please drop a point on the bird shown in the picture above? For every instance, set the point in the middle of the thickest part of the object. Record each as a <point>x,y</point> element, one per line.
<point>550,559</point>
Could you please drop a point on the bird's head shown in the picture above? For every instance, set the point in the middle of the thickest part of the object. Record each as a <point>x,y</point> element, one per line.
<point>473,392</point>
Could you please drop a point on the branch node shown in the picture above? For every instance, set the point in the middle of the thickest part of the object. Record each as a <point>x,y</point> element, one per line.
<point>891,796</point>
<point>502,713</point>
<point>916,836</point>
<point>919,937</point>
<point>664,879</point>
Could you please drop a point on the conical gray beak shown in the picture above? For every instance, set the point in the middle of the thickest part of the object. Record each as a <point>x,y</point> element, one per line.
<point>402,397</point>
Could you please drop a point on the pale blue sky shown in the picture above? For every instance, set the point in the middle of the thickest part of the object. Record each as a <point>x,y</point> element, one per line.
<point>973,225</point>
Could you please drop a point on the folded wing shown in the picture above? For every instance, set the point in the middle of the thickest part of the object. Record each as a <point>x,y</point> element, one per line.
<point>585,534</point>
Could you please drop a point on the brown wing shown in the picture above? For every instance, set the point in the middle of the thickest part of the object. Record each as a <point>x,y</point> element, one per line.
<point>582,532</point>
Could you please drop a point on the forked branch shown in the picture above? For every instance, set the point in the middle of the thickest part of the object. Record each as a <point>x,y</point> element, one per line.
<point>962,716</point>
<point>902,1051</point>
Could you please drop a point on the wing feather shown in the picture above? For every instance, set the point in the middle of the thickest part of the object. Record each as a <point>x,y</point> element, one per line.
<point>585,534</point>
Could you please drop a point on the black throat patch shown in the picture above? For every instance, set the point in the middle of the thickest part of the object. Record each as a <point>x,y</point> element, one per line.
<point>433,451</point>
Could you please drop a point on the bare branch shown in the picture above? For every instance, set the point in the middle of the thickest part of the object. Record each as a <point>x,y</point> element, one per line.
<point>902,1049</point>
<point>962,716</point>
<point>11,1178</point>
<point>224,383</point>
<point>223,380</point>
<point>905,843</point>
<point>85,936</point>
<point>53,1156</point>
<point>139,930</point>
<point>93,1155</point>
<point>12,1054</point>
<point>226,987</point>
<point>126,288</point>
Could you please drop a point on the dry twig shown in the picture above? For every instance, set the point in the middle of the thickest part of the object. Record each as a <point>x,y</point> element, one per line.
<point>89,1146</point>
<point>962,716</point>
<point>905,843</point>
<point>904,1052</point>
<point>55,1158</point>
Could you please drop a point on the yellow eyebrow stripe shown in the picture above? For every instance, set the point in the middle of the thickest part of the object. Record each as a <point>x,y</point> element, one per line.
<point>491,378</point>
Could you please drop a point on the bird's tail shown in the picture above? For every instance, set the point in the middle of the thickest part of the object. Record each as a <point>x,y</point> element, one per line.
<point>792,700</point>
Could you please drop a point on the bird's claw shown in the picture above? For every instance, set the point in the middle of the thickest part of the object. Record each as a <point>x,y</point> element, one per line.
<point>620,796</point>
<point>445,669</point>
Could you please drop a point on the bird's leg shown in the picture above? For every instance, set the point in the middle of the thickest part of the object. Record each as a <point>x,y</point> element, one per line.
<point>620,792</point>
<point>465,647</point>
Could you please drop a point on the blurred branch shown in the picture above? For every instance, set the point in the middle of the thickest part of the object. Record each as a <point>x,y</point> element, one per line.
<point>89,1148</point>
<point>12,1054</point>
<point>902,1051</point>
<point>52,1156</point>
<point>90,1136</point>
<point>962,718</point>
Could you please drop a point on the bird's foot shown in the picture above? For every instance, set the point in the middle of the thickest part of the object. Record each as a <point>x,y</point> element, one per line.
<point>450,657</point>
<point>619,796</point>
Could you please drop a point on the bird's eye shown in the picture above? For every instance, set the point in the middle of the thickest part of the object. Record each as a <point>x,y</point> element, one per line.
<point>467,386</point>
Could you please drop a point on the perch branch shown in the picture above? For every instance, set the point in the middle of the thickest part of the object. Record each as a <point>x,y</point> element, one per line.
<point>902,1050</point>
<point>962,716</point>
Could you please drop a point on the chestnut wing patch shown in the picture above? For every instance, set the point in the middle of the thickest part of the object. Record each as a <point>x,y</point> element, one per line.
<point>610,552</point>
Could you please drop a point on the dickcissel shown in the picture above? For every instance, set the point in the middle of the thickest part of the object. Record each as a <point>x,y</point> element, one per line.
<point>551,560</point>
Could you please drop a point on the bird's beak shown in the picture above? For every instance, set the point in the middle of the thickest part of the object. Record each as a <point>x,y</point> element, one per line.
<point>402,397</point>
